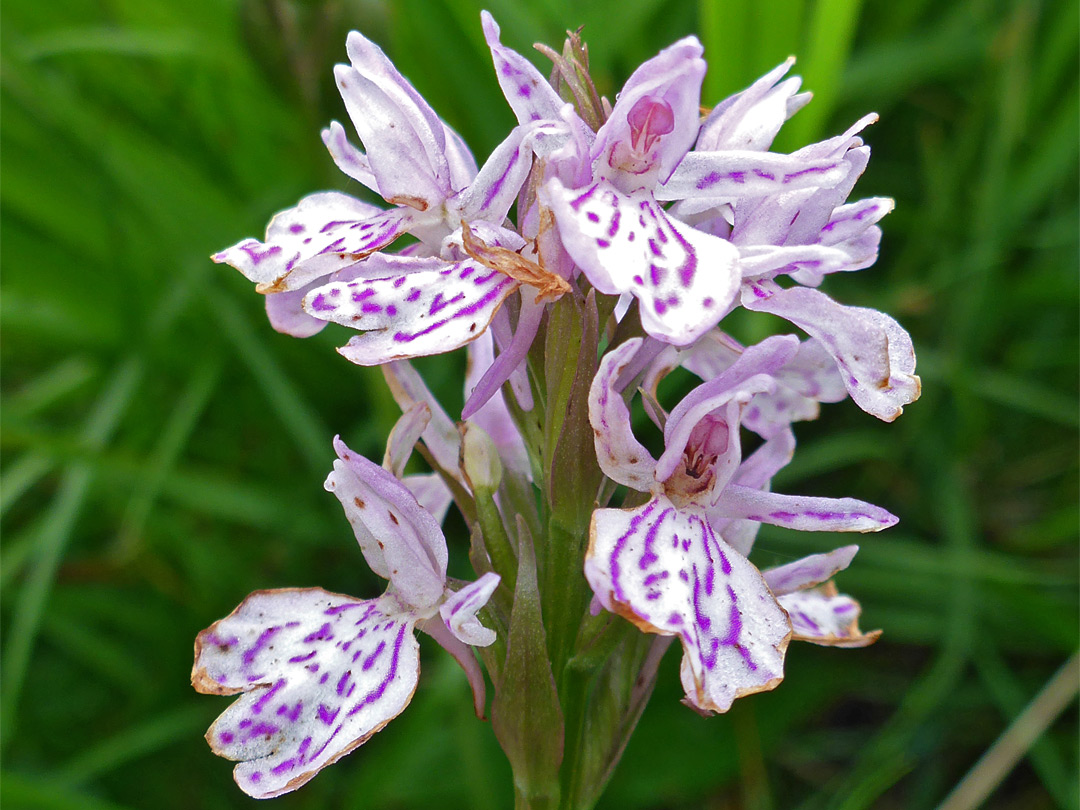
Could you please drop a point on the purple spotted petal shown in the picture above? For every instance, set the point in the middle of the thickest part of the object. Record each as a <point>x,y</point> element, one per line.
<point>873,352</point>
<point>667,571</point>
<point>320,674</point>
<point>496,187</point>
<point>620,455</point>
<point>728,175</point>
<point>750,119</point>
<point>463,654</point>
<point>421,306</point>
<point>801,512</point>
<point>684,278</point>
<point>809,571</point>
<point>324,233</point>
<point>441,436</point>
<point>352,161</point>
<point>458,612</point>
<point>493,415</point>
<point>823,616</point>
<point>527,91</point>
<point>404,436</point>
<point>401,542</point>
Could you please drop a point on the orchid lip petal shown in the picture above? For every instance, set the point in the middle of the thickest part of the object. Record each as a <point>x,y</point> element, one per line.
<point>824,616</point>
<point>685,278</point>
<point>320,673</point>
<point>666,571</point>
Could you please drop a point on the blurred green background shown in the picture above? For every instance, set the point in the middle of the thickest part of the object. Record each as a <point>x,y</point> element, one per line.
<point>164,450</point>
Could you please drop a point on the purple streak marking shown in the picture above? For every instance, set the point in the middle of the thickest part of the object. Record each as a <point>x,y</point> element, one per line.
<point>248,657</point>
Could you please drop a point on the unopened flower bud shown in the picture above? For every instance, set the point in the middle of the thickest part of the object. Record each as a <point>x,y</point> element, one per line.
<point>479,458</point>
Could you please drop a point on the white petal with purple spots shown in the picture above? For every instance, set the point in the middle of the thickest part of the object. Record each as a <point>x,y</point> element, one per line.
<point>823,616</point>
<point>684,278</point>
<point>667,571</point>
<point>321,673</point>
<point>421,307</point>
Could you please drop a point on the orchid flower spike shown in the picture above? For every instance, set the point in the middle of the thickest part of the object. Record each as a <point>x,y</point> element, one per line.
<point>320,672</point>
<point>665,565</point>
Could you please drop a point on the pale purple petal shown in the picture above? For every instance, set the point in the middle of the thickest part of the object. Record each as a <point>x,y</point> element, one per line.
<point>459,159</point>
<point>809,571</point>
<point>464,655</point>
<point>759,467</point>
<point>400,541</point>
<point>527,91</point>
<point>493,416</point>
<point>752,118</point>
<point>404,436</point>
<point>812,373</point>
<point>802,512</point>
<point>431,492</point>
<point>671,78</point>
<point>323,233</point>
<point>684,278</point>
<point>805,380</point>
<point>409,165</point>
<point>665,570</point>
<point>391,118</point>
<point>458,612</point>
<point>321,673</point>
<point>873,352</point>
<point>351,160</point>
<point>622,458</point>
<point>441,436</point>
<point>721,176</point>
<point>755,471</point>
<point>823,616</point>
<point>285,311</point>
<point>420,306</point>
<point>495,188</point>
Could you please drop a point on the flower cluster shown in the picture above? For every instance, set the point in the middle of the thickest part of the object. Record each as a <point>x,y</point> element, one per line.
<point>597,250</point>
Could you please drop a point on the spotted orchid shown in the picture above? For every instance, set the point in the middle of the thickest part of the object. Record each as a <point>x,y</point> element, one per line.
<point>320,672</point>
<point>665,565</point>
<point>636,228</point>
